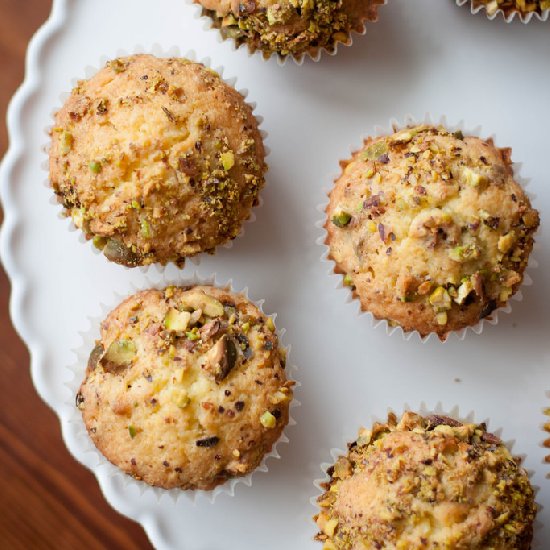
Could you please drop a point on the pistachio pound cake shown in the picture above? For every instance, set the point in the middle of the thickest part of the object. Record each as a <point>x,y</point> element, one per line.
<point>426,483</point>
<point>509,7</point>
<point>290,27</point>
<point>156,159</point>
<point>430,229</point>
<point>186,387</point>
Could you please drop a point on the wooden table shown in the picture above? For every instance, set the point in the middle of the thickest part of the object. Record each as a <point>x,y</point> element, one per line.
<point>47,500</point>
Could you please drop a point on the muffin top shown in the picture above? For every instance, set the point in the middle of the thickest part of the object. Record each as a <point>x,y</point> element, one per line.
<point>430,228</point>
<point>426,483</point>
<point>186,387</point>
<point>290,27</point>
<point>523,7</point>
<point>156,159</point>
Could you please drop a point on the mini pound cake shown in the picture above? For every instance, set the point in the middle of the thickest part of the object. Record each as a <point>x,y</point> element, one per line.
<point>186,387</point>
<point>290,27</point>
<point>156,160</point>
<point>426,484</point>
<point>430,228</point>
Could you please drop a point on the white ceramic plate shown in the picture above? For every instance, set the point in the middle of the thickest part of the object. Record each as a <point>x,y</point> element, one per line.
<point>427,55</point>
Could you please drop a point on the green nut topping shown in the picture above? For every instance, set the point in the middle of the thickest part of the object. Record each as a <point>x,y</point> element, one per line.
<point>177,321</point>
<point>267,420</point>
<point>121,352</point>
<point>375,151</point>
<point>228,160</point>
<point>132,431</point>
<point>66,141</point>
<point>341,219</point>
<point>193,334</point>
<point>95,167</point>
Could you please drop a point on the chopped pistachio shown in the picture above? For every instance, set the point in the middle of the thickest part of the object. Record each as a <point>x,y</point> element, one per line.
<point>441,318</point>
<point>464,253</point>
<point>132,431</point>
<point>330,527</point>
<point>209,306</point>
<point>145,229</point>
<point>375,150</point>
<point>348,281</point>
<point>121,352</point>
<point>99,242</point>
<point>228,160</point>
<point>77,214</point>
<point>463,291</point>
<point>341,219</point>
<point>245,327</point>
<point>440,298</point>
<point>95,167</point>
<point>177,321</point>
<point>66,141</point>
<point>135,204</point>
<point>267,420</point>
<point>193,334</point>
<point>506,242</point>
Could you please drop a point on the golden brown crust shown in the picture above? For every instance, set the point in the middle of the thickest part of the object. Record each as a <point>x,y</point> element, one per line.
<point>430,229</point>
<point>425,484</point>
<point>186,387</point>
<point>156,159</point>
<point>290,27</point>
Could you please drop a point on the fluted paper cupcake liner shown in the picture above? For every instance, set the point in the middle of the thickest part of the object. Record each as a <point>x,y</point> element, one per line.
<point>314,54</point>
<point>75,432</point>
<point>334,272</point>
<point>546,428</point>
<point>424,410</point>
<point>508,15</point>
<point>157,51</point>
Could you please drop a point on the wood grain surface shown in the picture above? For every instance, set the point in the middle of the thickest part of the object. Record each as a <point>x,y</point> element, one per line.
<point>47,499</point>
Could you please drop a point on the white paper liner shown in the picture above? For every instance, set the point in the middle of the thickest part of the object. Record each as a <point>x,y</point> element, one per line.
<point>546,428</point>
<point>491,319</point>
<point>209,25</point>
<point>523,17</point>
<point>157,51</point>
<point>77,429</point>
<point>424,410</point>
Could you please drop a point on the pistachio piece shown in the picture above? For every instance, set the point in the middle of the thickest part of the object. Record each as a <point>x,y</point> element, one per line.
<point>209,306</point>
<point>376,150</point>
<point>228,160</point>
<point>506,242</point>
<point>222,358</point>
<point>440,298</point>
<point>145,229</point>
<point>341,219</point>
<point>119,253</point>
<point>95,357</point>
<point>120,353</point>
<point>177,321</point>
<point>267,420</point>
<point>463,291</point>
<point>464,253</point>
<point>348,280</point>
<point>66,141</point>
<point>95,167</point>
<point>441,318</point>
